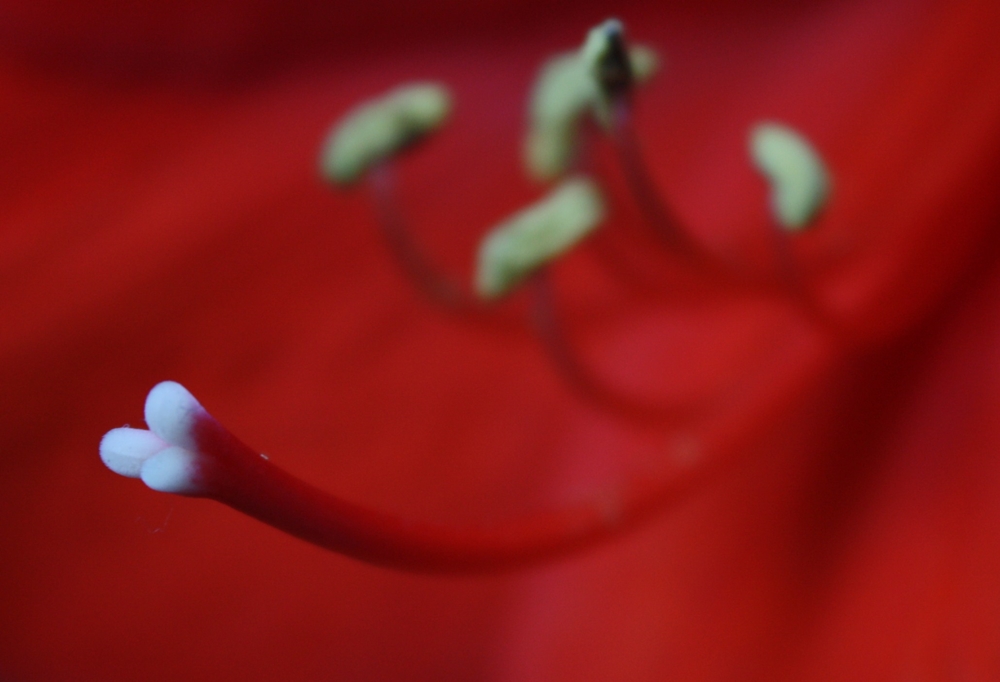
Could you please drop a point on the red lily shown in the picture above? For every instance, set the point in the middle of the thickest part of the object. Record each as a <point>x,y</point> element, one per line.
<point>160,219</point>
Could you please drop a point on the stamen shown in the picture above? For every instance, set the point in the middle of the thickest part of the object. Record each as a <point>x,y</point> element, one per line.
<point>188,452</point>
<point>654,209</point>
<point>563,94</point>
<point>800,183</point>
<point>603,59</point>
<point>604,55</point>
<point>510,253</point>
<point>531,238</point>
<point>364,143</point>
<point>604,52</point>
<point>375,130</point>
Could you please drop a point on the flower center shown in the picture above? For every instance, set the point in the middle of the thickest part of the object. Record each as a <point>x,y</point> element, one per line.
<point>187,451</point>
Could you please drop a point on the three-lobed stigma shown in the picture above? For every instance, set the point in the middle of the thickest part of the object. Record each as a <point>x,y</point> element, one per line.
<point>165,456</point>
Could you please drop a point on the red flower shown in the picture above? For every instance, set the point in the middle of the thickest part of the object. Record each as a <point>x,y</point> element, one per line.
<point>160,219</point>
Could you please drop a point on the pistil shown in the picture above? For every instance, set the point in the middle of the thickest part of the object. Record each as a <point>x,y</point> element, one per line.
<point>186,451</point>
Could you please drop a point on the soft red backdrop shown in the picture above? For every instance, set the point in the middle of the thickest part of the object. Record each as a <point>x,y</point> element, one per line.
<point>160,218</point>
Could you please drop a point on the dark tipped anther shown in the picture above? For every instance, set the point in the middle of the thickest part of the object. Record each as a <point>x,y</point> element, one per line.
<point>612,67</point>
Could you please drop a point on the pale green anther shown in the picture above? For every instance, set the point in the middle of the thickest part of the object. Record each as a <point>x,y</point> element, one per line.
<point>531,238</point>
<point>800,183</point>
<point>564,92</point>
<point>377,129</point>
<point>561,96</point>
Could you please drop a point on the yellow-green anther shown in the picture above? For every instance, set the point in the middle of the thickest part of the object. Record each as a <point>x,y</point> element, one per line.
<point>564,92</point>
<point>800,183</point>
<point>377,129</point>
<point>531,238</point>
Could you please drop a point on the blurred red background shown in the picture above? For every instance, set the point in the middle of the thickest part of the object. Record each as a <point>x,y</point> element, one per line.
<point>160,218</point>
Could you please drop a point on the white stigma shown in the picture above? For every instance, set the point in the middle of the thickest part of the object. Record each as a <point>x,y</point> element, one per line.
<point>800,183</point>
<point>164,457</point>
<point>533,237</point>
<point>377,129</point>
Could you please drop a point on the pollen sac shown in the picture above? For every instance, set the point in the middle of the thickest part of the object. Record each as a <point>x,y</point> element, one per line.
<point>377,129</point>
<point>531,238</point>
<point>566,89</point>
<point>800,183</point>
